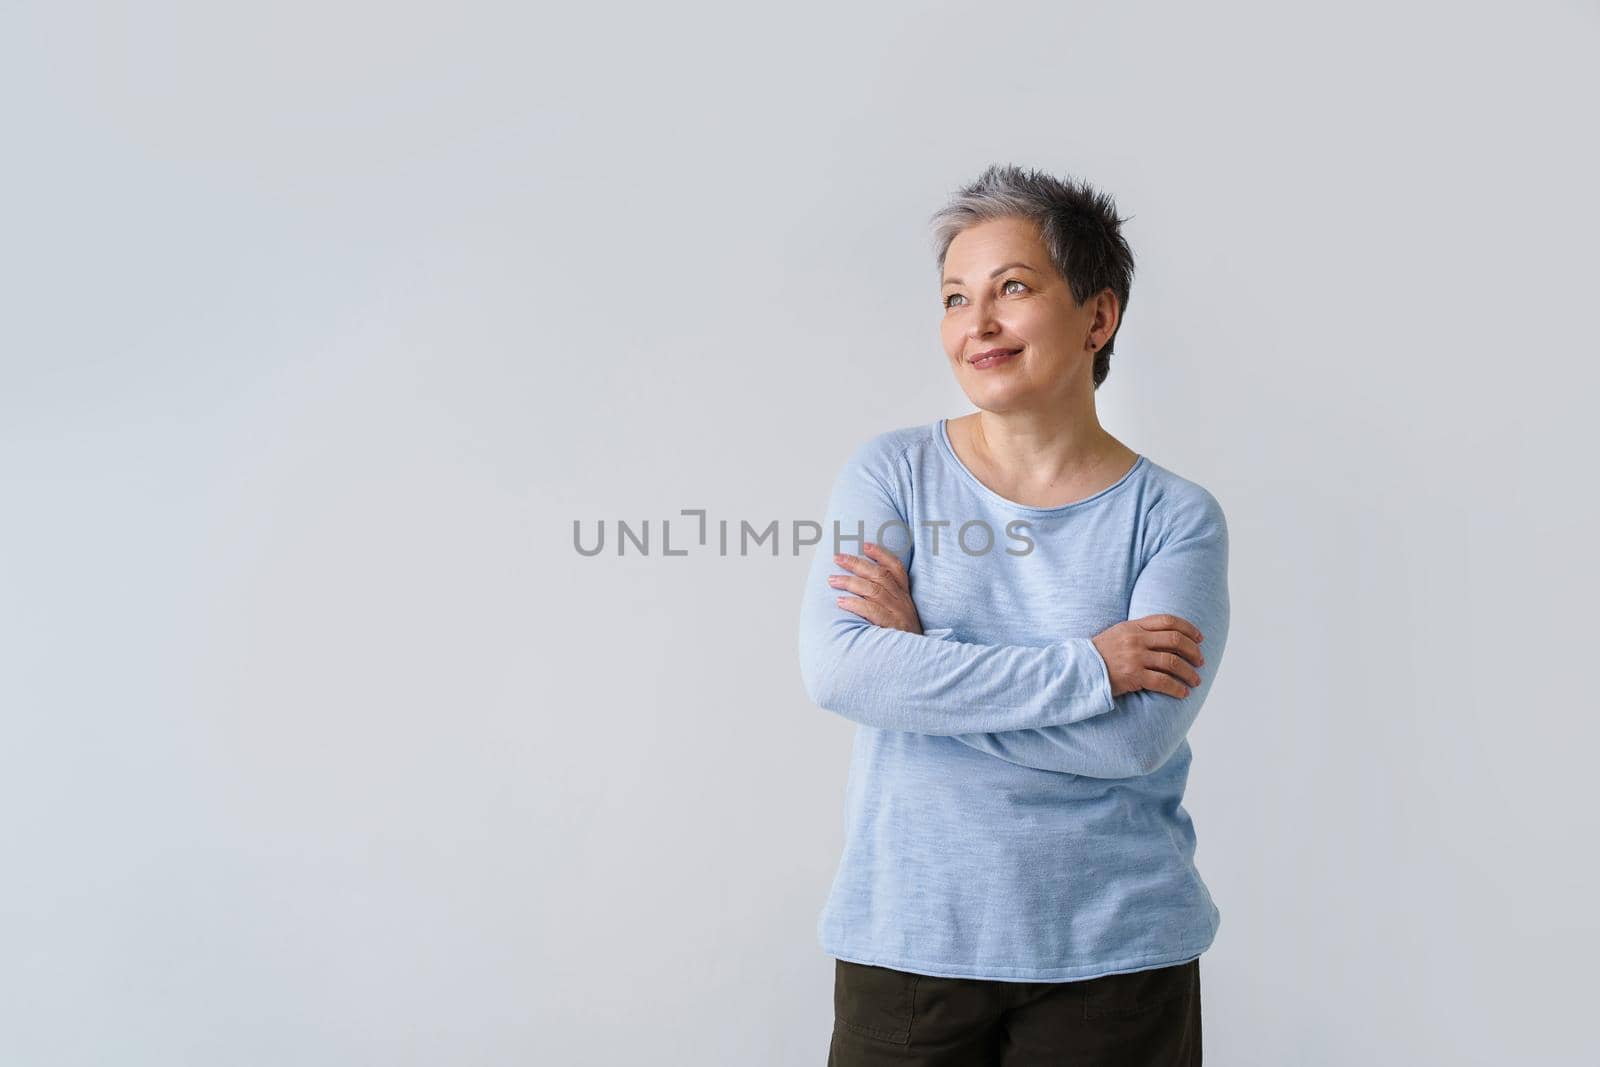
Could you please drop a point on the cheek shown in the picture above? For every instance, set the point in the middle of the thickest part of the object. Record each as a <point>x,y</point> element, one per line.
<point>1043,332</point>
<point>950,337</point>
<point>1038,324</point>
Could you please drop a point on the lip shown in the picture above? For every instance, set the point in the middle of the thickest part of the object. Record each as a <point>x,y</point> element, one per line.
<point>993,357</point>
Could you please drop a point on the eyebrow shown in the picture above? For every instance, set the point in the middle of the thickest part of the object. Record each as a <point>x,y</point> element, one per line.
<point>996,272</point>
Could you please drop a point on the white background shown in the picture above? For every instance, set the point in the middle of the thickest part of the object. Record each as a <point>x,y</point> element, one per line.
<point>324,322</point>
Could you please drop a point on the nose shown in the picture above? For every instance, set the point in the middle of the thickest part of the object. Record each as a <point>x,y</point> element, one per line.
<point>982,322</point>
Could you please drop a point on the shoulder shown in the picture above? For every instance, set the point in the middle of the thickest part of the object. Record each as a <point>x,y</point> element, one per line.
<point>893,444</point>
<point>884,454</point>
<point>1182,507</point>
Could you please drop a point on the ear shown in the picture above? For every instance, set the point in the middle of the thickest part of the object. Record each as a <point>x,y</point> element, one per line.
<point>1107,313</point>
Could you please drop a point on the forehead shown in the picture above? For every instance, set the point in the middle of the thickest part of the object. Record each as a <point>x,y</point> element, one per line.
<point>993,242</point>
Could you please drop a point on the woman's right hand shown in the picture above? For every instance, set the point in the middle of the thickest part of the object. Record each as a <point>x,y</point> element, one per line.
<point>1154,653</point>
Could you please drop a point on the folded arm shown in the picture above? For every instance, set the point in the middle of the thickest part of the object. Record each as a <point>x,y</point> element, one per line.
<point>1186,576</point>
<point>894,680</point>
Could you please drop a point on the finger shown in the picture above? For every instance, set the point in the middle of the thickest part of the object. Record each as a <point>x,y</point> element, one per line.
<point>859,586</point>
<point>864,567</point>
<point>862,576</point>
<point>1157,682</point>
<point>1173,664</point>
<point>891,564</point>
<point>864,608</point>
<point>1176,641</point>
<point>1172,622</point>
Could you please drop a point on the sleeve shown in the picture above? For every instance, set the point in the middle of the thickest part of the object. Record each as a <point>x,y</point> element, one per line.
<point>893,680</point>
<point>1186,576</point>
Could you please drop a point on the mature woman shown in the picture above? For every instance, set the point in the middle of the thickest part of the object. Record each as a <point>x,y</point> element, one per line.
<point>1031,617</point>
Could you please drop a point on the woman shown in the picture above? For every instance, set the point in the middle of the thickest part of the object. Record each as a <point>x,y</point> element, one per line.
<point>1031,617</point>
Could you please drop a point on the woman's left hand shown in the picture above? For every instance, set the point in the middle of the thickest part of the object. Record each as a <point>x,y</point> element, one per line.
<point>882,588</point>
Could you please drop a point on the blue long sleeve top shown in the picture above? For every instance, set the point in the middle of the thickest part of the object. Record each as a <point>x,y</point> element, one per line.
<point>1006,817</point>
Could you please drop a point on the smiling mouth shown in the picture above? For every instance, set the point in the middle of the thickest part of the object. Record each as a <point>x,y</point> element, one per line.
<point>993,357</point>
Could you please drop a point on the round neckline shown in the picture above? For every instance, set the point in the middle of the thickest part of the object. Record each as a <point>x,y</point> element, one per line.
<point>950,454</point>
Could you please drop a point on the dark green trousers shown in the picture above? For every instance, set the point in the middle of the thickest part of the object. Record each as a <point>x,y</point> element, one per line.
<point>1147,1018</point>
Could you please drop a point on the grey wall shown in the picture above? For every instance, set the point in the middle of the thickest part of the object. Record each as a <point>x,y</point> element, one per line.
<point>323,322</point>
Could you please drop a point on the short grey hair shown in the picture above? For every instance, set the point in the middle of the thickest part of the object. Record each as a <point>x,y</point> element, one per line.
<point>1078,225</point>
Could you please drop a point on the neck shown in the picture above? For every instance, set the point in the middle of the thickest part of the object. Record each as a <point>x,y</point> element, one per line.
<point>1045,449</point>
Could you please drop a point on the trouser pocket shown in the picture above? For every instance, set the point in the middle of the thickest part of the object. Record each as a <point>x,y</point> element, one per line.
<point>876,1002</point>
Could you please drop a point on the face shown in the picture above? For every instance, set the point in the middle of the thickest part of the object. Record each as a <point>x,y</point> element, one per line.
<point>1002,292</point>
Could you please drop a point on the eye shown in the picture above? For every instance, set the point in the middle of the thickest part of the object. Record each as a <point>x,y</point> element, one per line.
<point>1008,281</point>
